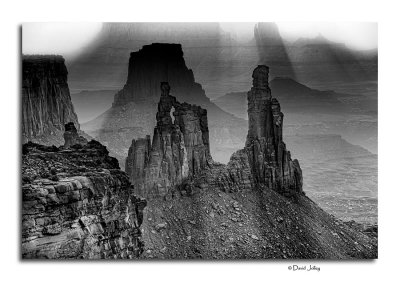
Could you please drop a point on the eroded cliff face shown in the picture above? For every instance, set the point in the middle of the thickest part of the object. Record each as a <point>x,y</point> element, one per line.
<point>180,148</point>
<point>78,204</point>
<point>46,101</point>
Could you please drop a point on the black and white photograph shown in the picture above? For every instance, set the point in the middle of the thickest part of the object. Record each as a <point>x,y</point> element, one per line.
<point>202,140</point>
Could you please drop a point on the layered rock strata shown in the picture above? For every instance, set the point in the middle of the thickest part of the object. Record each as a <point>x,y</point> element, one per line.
<point>46,101</point>
<point>180,148</point>
<point>78,204</point>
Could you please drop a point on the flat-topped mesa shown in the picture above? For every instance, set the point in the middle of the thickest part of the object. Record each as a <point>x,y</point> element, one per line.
<point>152,64</point>
<point>270,162</point>
<point>46,101</point>
<point>71,136</point>
<point>180,148</point>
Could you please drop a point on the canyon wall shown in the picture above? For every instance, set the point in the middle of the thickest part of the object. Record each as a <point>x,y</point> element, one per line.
<point>46,101</point>
<point>78,204</point>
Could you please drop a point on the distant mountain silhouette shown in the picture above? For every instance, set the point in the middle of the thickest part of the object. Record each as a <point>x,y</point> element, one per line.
<point>294,97</point>
<point>214,56</point>
<point>219,62</point>
<point>310,111</point>
<point>313,60</point>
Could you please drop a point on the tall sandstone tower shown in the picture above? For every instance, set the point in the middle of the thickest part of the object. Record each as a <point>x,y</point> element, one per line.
<point>270,162</point>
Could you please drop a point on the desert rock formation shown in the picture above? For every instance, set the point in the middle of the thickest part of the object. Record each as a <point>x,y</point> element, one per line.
<point>180,158</point>
<point>72,137</point>
<point>180,148</point>
<point>78,204</point>
<point>135,106</point>
<point>46,101</point>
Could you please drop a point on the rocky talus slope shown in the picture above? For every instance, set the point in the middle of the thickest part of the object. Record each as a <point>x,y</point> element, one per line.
<point>250,224</point>
<point>46,101</point>
<point>135,106</point>
<point>78,204</point>
<point>252,208</point>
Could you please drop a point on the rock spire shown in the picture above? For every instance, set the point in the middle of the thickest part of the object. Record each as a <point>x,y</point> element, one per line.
<point>180,148</point>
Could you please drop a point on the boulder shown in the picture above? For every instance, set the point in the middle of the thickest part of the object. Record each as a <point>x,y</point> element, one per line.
<point>71,136</point>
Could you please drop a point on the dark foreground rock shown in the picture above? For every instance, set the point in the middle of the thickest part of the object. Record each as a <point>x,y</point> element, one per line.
<point>78,204</point>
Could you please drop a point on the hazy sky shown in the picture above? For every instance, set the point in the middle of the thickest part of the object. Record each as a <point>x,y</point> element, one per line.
<point>57,38</point>
<point>68,38</point>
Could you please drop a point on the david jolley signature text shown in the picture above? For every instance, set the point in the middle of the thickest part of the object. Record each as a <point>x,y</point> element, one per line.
<point>296,267</point>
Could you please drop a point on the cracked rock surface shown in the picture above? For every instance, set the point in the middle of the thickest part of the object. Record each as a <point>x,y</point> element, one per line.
<point>78,204</point>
